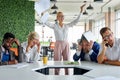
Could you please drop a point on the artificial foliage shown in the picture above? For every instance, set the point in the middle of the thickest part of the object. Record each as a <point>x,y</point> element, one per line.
<point>16,16</point>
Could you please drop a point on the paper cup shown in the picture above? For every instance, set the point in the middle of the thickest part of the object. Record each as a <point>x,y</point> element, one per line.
<point>45,60</point>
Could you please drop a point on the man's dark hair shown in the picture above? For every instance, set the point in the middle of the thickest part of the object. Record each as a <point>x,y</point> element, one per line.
<point>103,30</point>
<point>82,38</point>
<point>8,35</point>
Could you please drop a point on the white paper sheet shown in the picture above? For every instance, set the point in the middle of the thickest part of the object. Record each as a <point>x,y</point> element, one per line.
<point>19,65</point>
<point>41,6</point>
<point>44,18</point>
<point>89,36</point>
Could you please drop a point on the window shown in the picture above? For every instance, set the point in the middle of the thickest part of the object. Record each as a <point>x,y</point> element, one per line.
<point>47,33</point>
<point>117,21</point>
<point>75,33</point>
<point>96,29</point>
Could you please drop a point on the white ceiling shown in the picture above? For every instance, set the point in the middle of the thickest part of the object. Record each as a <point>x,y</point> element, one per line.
<point>71,9</point>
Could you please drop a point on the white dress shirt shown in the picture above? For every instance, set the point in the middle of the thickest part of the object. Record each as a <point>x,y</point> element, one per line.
<point>32,54</point>
<point>113,53</point>
<point>61,33</point>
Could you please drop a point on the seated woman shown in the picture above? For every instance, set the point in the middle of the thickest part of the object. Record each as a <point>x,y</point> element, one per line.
<point>31,48</point>
<point>87,51</point>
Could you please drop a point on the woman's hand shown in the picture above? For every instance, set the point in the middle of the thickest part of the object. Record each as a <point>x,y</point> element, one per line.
<point>82,7</point>
<point>29,45</point>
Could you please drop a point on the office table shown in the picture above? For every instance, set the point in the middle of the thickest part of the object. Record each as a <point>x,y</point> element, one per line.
<point>8,72</point>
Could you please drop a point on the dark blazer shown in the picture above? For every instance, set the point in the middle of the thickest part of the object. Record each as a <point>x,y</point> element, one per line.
<point>19,58</point>
<point>93,56</point>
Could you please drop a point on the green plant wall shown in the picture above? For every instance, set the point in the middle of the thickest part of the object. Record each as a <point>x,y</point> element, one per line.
<point>16,16</point>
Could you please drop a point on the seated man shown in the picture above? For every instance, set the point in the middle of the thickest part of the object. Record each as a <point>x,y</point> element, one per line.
<point>87,50</point>
<point>110,48</point>
<point>6,55</point>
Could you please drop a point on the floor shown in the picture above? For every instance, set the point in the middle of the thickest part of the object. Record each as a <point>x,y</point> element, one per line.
<point>72,52</point>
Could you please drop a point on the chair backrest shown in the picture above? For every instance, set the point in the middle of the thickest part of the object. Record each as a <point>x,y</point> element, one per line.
<point>15,50</point>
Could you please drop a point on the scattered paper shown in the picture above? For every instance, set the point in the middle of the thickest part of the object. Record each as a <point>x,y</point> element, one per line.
<point>19,65</point>
<point>44,18</point>
<point>105,78</point>
<point>41,6</point>
<point>89,36</point>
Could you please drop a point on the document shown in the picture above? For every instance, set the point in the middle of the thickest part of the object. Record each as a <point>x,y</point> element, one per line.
<point>19,65</point>
<point>106,78</point>
<point>44,18</point>
<point>89,36</point>
<point>41,6</point>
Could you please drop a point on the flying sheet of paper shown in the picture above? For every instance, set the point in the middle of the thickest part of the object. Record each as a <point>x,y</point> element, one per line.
<point>44,18</point>
<point>41,6</point>
<point>89,36</point>
<point>106,78</point>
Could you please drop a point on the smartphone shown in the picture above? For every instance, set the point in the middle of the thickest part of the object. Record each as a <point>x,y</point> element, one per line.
<point>106,44</point>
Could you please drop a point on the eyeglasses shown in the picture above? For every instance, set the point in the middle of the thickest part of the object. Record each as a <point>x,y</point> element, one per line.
<point>107,36</point>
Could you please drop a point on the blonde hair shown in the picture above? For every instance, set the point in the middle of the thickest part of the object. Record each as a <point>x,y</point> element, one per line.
<point>33,35</point>
<point>58,13</point>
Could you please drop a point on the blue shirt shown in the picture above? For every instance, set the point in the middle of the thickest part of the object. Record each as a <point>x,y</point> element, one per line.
<point>5,57</point>
<point>93,55</point>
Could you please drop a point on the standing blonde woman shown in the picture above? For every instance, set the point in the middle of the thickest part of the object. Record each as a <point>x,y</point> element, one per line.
<point>31,48</point>
<point>61,50</point>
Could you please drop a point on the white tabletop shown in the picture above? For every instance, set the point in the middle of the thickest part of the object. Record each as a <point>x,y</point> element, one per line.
<point>11,72</point>
<point>99,70</point>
